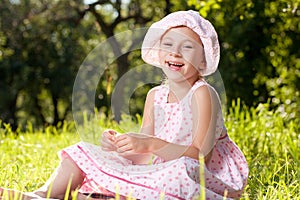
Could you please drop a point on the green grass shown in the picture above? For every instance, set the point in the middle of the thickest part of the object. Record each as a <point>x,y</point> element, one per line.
<point>270,142</point>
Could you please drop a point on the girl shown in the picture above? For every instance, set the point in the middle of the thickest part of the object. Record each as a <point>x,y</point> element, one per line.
<point>182,119</point>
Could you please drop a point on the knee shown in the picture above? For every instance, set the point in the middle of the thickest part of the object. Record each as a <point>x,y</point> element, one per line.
<point>68,165</point>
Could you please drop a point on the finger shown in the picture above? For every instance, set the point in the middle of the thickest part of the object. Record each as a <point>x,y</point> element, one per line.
<point>108,148</point>
<point>119,138</point>
<point>105,141</point>
<point>121,142</point>
<point>105,148</point>
<point>125,148</point>
<point>109,135</point>
<point>107,144</point>
<point>110,131</point>
<point>125,153</point>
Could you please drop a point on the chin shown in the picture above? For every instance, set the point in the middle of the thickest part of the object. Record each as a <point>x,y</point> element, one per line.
<point>171,74</point>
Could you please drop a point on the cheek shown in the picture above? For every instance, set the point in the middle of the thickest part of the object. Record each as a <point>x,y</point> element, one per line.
<point>194,60</point>
<point>198,61</point>
<point>162,56</point>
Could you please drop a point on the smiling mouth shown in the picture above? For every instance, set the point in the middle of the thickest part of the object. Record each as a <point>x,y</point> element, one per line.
<point>174,65</point>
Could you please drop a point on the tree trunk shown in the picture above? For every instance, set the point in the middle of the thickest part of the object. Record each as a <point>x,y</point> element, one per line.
<point>123,66</point>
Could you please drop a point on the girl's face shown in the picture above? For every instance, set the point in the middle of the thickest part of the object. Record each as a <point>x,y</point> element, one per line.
<point>181,54</point>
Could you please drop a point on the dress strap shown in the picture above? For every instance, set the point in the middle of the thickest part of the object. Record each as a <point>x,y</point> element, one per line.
<point>198,84</point>
<point>161,94</point>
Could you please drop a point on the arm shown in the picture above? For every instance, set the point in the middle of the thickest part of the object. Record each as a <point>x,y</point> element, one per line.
<point>204,111</point>
<point>148,116</point>
<point>147,131</point>
<point>205,107</point>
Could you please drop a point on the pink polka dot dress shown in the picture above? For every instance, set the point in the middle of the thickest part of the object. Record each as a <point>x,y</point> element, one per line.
<point>106,172</point>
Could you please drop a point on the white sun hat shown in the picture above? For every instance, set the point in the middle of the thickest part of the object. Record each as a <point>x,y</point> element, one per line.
<point>192,20</point>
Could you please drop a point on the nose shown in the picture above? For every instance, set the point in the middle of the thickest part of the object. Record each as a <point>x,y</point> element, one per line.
<point>175,51</point>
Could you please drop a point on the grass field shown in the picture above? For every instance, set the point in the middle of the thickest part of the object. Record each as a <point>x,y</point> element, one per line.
<point>271,144</point>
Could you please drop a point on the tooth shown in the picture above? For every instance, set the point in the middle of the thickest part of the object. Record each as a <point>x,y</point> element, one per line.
<point>176,64</point>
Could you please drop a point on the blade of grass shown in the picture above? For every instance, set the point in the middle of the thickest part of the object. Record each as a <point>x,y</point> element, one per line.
<point>117,197</point>
<point>162,195</point>
<point>202,177</point>
<point>68,189</point>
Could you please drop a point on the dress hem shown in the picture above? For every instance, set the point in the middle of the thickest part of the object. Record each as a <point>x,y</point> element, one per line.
<point>124,180</point>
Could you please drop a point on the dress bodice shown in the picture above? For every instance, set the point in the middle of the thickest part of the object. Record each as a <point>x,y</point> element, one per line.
<point>173,121</point>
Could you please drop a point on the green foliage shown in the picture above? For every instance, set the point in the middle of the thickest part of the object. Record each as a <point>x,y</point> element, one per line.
<point>45,42</point>
<point>41,52</point>
<point>259,50</point>
<point>31,154</point>
<point>270,143</point>
<point>43,45</point>
<point>92,127</point>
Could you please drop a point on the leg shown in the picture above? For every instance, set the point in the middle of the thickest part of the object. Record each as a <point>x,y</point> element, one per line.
<point>59,181</point>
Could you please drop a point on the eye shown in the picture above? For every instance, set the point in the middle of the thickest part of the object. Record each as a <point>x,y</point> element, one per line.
<point>187,46</point>
<point>166,44</point>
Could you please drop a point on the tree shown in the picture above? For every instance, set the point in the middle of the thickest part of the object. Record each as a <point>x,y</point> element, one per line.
<point>260,54</point>
<point>45,42</point>
<point>41,45</point>
<point>114,17</point>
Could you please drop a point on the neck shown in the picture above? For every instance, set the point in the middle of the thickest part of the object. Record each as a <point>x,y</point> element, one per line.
<point>180,89</point>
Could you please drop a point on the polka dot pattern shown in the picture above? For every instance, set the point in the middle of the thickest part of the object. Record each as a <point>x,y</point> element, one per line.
<point>106,172</point>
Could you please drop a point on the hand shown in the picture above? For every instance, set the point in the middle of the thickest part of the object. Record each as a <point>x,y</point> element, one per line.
<point>132,143</point>
<point>108,139</point>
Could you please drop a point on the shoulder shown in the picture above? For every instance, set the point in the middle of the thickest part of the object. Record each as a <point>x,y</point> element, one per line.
<point>204,90</point>
<point>156,89</point>
<point>206,95</point>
